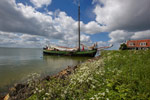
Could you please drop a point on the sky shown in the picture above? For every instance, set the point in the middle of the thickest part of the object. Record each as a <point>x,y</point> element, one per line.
<point>37,23</point>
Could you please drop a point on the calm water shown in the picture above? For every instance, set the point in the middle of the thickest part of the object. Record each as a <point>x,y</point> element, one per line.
<point>16,64</point>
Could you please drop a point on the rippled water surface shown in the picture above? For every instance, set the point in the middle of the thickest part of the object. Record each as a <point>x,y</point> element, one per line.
<point>17,63</point>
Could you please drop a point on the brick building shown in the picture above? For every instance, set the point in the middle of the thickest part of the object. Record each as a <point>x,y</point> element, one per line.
<point>138,44</point>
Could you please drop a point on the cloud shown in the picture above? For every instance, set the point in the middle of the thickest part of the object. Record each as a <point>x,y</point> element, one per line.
<point>8,35</point>
<point>120,36</point>
<point>102,43</point>
<point>25,19</point>
<point>73,41</point>
<point>19,18</point>
<point>141,35</point>
<point>91,28</point>
<point>40,3</point>
<point>129,15</point>
<point>22,40</point>
<point>124,19</point>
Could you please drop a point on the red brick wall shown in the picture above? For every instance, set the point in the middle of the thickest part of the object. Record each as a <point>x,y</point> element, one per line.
<point>137,43</point>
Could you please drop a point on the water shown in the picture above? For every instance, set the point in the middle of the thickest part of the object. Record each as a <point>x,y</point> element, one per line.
<point>17,63</point>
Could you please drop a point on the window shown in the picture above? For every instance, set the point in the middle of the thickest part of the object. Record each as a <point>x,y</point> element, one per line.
<point>143,44</point>
<point>131,44</point>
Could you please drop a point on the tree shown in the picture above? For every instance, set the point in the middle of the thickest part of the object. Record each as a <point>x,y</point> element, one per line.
<point>123,47</point>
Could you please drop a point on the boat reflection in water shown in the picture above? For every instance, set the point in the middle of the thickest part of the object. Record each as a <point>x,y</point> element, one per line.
<point>61,62</point>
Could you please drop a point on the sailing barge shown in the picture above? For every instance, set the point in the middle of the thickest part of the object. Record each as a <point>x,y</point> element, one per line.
<point>89,53</point>
<point>65,51</point>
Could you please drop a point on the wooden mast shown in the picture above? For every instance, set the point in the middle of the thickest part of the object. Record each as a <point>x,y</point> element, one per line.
<point>79,25</point>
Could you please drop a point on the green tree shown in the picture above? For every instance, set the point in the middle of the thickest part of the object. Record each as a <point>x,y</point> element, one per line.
<point>123,47</point>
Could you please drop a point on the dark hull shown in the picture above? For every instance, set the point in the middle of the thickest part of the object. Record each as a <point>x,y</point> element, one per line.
<point>89,53</point>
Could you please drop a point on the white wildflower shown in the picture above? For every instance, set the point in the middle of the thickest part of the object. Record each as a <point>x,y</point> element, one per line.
<point>47,94</point>
<point>107,90</point>
<point>40,91</point>
<point>36,89</point>
<point>65,91</point>
<point>95,95</point>
<point>107,98</point>
<point>91,98</point>
<point>93,86</point>
<point>34,92</point>
<point>62,95</point>
<point>103,94</point>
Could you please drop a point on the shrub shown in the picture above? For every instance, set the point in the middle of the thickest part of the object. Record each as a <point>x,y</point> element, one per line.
<point>123,47</point>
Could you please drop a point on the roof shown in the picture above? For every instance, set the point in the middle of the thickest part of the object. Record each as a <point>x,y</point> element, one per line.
<point>138,43</point>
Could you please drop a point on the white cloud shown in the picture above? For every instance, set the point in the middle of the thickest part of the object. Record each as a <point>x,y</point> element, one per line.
<point>8,35</point>
<point>102,43</point>
<point>127,19</point>
<point>127,23</point>
<point>20,18</point>
<point>73,41</point>
<point>40,3</point>
<point>92,28</point>
<point>129,15</point>
<point>124,19</point>
<point>85,39</point>
<point>22,40</point>
<point>120,36</point>
<point>141,35</point>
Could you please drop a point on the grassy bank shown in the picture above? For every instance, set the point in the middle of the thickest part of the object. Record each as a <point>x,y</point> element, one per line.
<point>116,75</point>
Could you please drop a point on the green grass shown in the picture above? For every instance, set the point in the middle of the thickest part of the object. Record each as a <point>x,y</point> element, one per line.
<point>117,75</point>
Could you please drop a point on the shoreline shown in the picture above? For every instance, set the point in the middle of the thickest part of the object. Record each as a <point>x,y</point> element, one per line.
<point>109,76</point>
<point>20,89</point>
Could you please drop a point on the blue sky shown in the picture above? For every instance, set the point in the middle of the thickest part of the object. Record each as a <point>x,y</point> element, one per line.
<point>36,23</point>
